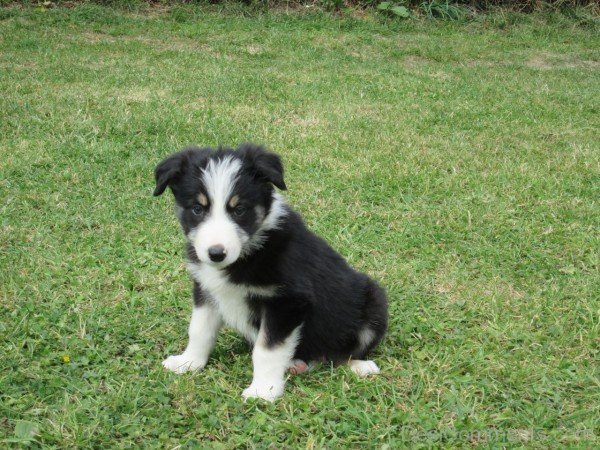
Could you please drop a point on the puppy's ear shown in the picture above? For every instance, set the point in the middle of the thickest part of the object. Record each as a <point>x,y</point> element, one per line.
<point>169,170</point>
<point>267,165</point>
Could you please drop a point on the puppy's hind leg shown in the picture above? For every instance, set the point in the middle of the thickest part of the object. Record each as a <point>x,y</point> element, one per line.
<point>376,312</point>
<point>363,368</point>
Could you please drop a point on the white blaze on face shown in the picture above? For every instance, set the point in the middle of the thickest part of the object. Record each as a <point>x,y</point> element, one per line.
<point>219,178</point>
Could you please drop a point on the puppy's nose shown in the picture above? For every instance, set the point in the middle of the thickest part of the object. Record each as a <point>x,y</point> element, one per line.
<point>216,253</point>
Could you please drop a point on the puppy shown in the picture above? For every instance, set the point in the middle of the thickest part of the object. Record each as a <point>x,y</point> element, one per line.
<point>257,268</point>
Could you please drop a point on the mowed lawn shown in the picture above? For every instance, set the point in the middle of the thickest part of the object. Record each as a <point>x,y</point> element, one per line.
<point>456,163</point>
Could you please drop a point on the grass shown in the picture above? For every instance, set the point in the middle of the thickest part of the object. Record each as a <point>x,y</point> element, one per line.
<point>457,163</point>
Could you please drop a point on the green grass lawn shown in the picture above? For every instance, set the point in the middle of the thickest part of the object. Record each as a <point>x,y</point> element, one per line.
<point>457,163</point>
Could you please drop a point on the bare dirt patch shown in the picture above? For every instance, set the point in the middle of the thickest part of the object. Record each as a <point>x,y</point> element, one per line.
<point>549,61</point>
<point>254,49</point>
<point>141,95</point>
<point>173,44</point>
<point>95,37</point>
<point>414,61</point>
<point>479,63</point>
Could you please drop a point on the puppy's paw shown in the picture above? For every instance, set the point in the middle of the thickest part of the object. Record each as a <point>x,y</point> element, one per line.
<point>363,368</point>
<point>266,391</point>
<point>298,366</point>
<point>183,363</point>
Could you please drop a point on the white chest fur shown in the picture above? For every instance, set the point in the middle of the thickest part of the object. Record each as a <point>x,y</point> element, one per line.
<point>231,299</point>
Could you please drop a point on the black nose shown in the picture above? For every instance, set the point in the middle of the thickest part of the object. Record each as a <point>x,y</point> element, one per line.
<point>216,253</point>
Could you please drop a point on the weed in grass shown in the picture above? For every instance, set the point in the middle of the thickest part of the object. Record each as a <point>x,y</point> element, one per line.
<point>392,9</point>
<point>444,9</point>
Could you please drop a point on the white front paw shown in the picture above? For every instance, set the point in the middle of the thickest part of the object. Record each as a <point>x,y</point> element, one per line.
<point>183,363</point>
<point>266,391</point>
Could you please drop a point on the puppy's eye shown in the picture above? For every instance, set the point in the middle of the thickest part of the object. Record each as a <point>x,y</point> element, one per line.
<point>239,211</point>
<point>197,209</point>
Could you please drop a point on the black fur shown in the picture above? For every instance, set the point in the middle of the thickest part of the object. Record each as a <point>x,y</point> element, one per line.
<point>316,287</point>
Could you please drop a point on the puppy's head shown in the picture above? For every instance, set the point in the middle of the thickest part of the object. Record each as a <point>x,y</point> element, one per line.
<point>225,198</point>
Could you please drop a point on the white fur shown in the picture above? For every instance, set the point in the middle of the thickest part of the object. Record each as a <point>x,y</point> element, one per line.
<point>270,222</point>
<point>203,330</point>
<point>365,338</point>
<point>270,365</point>
<point>276,213</point>
<point>363,368</point>
<point>229,298</point>
<point>218,229</point>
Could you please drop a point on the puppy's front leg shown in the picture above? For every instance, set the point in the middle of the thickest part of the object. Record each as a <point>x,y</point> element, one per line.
<point>203,330</point>
<point>271,359</point>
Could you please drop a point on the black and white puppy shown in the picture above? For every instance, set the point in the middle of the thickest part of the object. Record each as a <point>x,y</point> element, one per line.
<point>256,267</point>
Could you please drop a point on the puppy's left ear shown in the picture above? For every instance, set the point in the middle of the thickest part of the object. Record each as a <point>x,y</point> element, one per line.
<point>168,171</point>
<point>266,164</point>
